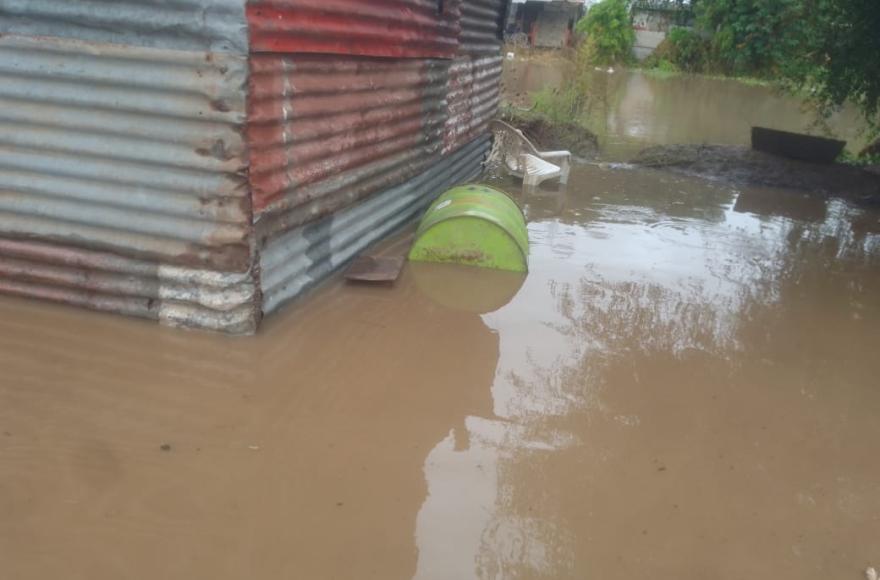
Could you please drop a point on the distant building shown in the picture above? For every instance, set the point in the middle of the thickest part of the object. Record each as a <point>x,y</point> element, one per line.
<point>545,23</point>
<point>653,19</point>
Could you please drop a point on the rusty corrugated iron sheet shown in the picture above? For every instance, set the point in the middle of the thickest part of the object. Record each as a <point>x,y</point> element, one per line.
<point>123,173</point>
<point>473,96</point>
<point>474,89</point>
<point>300,258</point>
<point>112,283</point>
<point>386,28</point>
<point>481,27</point>
<point>327,131</point>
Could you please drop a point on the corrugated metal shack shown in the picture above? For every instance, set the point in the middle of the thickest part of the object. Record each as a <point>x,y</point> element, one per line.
<point>200,162</point>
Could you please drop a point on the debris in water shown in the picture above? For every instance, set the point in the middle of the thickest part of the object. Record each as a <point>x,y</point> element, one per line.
<point>871,573</point>
<point>375,269</point>
<point>165,447</point>
<point>254,447</point>
<point>522,159</point>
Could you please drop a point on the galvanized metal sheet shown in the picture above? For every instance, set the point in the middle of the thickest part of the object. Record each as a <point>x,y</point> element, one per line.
<point>123,180</point>
<point>474,90</point>
<point>199,25</point>
<point>297,260</point>
<point>473,97</point>
<point>481,26</point>
<point>326,131</point>
<point>388,28</point>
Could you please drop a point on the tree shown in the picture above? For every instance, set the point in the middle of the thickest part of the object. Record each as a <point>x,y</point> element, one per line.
<point>749,37</point>
<point>836,56</point>
<point>609,33</point>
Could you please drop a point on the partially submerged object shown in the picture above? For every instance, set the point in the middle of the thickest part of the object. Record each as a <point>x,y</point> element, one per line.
<point>796,145</point>
<point>522,159</point>
<point>375,269</point>
<point>474,225</point>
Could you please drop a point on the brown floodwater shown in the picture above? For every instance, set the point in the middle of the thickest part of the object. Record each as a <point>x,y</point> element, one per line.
<point>630,110</point>
<point>684,386</point>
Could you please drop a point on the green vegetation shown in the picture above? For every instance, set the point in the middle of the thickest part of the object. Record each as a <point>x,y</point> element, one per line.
<point>608,33</point>
<point>823,50</point>
<point>749,37</point>
<point>684,50</point>
<point>861,160</point>
<point>835,56</point>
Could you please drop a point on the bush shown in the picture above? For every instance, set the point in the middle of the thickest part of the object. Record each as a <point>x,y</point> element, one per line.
<point>749,37</point>
<point>688,51</point>
<point>560,105</point>
<point>609,33</point>
<point>683,50</point>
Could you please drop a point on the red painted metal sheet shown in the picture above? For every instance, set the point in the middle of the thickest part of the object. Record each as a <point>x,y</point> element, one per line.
<point>325,131</point>
<point>386,28</point>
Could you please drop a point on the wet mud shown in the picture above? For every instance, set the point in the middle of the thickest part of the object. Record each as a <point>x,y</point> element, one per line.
<point>744,166</point>
<point>684,386</point>
<point>551,136</point>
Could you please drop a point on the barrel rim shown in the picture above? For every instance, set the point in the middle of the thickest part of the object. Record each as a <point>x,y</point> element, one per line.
<point>487,186</point>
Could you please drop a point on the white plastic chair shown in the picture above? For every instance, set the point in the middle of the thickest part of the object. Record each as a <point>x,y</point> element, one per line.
<point>522,159</point>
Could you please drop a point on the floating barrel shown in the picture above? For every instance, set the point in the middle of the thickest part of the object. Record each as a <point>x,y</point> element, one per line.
<point>474,225</point>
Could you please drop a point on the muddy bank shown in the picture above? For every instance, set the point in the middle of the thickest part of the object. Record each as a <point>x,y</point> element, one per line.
<point>744,166</point>
<point>550,135</point>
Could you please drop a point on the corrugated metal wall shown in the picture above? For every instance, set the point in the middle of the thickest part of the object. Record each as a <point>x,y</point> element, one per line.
<point>327,131</point>
<point>300,258</point>
<point>481,26</point>
<point>123,170</point>
<point>150,151</point>
<point>474,88</point>
<point>196,25</point>
<point>387,28</point>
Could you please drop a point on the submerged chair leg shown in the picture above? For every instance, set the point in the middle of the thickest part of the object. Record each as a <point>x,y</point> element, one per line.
<point>531,184</point>
<point>565,166</point>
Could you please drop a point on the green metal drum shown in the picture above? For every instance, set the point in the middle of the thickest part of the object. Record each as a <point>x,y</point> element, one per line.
<point>474,225</point>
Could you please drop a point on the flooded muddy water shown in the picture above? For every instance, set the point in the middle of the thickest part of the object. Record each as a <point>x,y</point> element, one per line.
<point>630,110</point>
<point>684,386</point>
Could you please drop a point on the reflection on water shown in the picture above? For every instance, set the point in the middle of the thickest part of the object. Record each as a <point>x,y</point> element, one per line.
<point>671,398</point>
<point>684,386</point>
<point>630,110</point>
